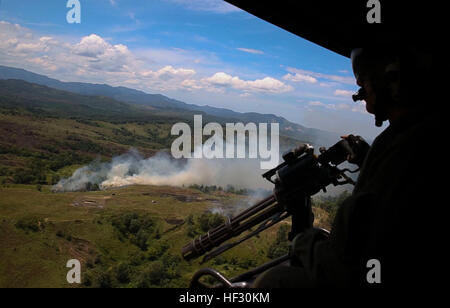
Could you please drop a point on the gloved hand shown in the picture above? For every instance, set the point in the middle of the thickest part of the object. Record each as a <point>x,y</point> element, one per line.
<point>302,247</point>
<point>299,206</point>
<point>359,147</point>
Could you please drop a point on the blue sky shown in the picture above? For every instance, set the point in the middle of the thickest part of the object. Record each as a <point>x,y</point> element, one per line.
<point>204,52</point>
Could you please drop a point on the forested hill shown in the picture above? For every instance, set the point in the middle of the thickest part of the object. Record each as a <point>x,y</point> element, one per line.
<point>46,101</point>
<point>162,104</point>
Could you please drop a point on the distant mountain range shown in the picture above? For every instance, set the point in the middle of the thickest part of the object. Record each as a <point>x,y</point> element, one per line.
<point>103,98</point>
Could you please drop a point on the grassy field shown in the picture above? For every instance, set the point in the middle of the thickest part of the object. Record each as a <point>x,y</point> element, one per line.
<point>127,237</point>
<point>41,231</point>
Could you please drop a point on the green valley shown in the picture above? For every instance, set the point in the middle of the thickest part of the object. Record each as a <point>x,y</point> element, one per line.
<point>124,237</point>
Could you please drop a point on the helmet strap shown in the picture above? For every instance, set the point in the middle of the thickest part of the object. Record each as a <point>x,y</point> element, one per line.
<point>383,100</point>
<point>380,116</point>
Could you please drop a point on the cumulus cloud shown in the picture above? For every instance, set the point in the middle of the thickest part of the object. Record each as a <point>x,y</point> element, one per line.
<point>16,40</point>
<point>44,62</point>
<point>91,59</point>
<point>92,55</point>
<point>99,55</point>
<point>221,81</point>
<point>267,84</point>
<point>169,72</point>
<point>95,59</point>
<point>191,84</point>
<point>91,46</point>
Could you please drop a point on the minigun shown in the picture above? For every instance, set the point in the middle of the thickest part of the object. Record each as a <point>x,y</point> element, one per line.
<point>301,175</point>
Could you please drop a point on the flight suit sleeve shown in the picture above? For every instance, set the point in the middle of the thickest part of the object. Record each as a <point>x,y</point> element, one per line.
<point>338,260</point>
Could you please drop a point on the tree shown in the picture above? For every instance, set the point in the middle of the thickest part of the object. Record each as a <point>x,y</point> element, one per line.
<point>208,221</point>
<point>55,179</point>
<point>156,273</point>
<point>230,189</point>
<point>280,246</point>
<point>153,275</point>
<point>141,239</point>
<point>123,273</point>
<point>104,281</point>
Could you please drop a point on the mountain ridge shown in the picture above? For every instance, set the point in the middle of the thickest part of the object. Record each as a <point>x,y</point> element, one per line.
<point>137,97</point>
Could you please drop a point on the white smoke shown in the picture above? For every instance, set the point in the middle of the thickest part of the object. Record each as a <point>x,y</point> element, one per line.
<point>160,170</point>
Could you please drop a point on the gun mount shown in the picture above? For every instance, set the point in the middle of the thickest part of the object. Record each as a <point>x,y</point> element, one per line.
<point>301,175</point>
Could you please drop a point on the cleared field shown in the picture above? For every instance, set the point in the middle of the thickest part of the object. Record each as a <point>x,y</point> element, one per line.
<point>127,237</point>
<point>41,231</point>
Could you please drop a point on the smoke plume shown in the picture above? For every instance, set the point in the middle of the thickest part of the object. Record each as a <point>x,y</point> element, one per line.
<point>133,169</point>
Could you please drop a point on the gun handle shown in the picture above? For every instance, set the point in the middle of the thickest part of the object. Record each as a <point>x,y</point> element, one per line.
<point>302,219</point>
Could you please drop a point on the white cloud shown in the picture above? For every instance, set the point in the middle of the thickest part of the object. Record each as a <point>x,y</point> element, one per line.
<point>334,78</point>
<point>168,72</point>
<point>300,78</point>
<point>316,103</point>
<point>343,93</point>
<point>94,59</point>
<point>328,106</point>
<point>220,82</point>
<point>191,84</point>
<point>267,84</point>
<point>43,62</point>
<point>99,55</point>
<point>16,40</point>
<point>253,51</point>
<point>360,108</point>
<point>31,47</point>
<point>185,74</point>
<point>91,46</point>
